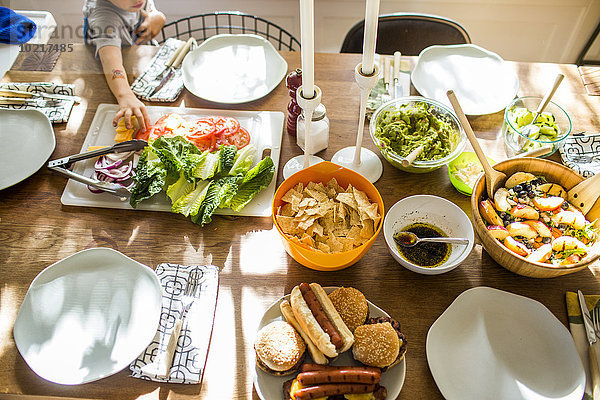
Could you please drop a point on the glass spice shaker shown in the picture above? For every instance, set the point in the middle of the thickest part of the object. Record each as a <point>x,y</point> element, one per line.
<point>293,81</point>
<point>319,130</point>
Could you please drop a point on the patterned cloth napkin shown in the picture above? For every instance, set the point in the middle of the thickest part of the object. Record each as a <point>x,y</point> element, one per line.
<point>578,333</point>
<point>58,113</point>
<point>192,348</point>
<point>584,145</point>
<point>145,84</point>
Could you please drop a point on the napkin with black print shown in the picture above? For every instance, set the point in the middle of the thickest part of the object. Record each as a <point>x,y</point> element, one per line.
<point>194,339</point>
<point>581,152</point>
<point>57,111</point>
<point>145,85</point>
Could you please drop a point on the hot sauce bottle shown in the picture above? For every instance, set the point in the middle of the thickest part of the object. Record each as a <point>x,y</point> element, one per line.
<point>293,81</point>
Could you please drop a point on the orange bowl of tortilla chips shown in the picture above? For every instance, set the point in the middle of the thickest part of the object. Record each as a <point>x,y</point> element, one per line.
<point>328,216</point>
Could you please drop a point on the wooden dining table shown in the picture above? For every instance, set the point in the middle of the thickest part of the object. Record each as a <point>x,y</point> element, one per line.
<point>36,230</point>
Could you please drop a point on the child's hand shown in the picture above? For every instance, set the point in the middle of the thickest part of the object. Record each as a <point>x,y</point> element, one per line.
<point>130,105</point>
<point>150,26</point>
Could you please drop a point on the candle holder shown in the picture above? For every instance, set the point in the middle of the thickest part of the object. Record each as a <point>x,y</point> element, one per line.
<point>357,158</point>
<point>300,162</point>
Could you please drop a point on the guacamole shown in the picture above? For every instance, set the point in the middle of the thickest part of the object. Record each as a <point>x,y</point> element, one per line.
<point>404,129</point>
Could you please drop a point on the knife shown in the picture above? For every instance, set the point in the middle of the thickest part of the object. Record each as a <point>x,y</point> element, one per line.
<point>397,83</point>
<point>173,63</point>
<point>592,339</point>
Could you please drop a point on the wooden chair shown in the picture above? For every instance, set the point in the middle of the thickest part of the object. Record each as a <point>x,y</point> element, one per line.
<point>408,33</point>
<point>203,26</point>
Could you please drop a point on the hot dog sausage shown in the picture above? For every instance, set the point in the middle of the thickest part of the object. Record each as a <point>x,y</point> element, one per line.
<point>320,315</point>
<point>308,367</point>
<point>331,389</point>
<point>341,376</point>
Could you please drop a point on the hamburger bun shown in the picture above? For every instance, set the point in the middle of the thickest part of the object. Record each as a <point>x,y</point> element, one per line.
<point>376,345</point>
<point>279,349</point>
<point>352,306</point>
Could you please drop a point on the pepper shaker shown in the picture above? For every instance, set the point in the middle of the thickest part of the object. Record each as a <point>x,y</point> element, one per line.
<point>293,81</point>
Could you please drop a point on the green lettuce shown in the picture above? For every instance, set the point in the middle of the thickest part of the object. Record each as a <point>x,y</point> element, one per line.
<point>190,203</point>
<point>243,160</point>
<point>255,180</point>
<point>149,179</point>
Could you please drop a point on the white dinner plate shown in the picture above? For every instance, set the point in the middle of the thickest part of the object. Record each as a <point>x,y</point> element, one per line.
<point>270,387</point>
<point>88,316</point>
<point>491,344</point>
<point>482,81</point>
<point>26,142</point>
<point>265,127</point>
<point>233,69</point>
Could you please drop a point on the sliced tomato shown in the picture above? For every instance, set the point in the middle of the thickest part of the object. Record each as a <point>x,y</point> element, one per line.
<point>239,139</point>
<point>143,135</point>
<point>201,128</point>
<point>227,126</point>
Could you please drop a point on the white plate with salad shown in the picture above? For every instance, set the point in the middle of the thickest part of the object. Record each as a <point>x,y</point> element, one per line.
<point>265,129</point>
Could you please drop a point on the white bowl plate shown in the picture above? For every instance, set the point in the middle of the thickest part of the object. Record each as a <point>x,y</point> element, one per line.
<point>233,69</point>
<point>88,316</point>
<point>482,81</point>
<point>491,344</point>
<point>270,387</point>
<point>27,141</point>
<point>435,211</point>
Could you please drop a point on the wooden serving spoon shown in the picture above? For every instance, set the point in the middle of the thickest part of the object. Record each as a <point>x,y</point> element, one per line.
<point>585,194</point>
<point>493,179</point>
<point>412,156</point>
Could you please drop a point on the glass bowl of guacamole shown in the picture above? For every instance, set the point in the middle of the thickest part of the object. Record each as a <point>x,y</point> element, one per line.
<point>553,126</point>
<point>400,126</point>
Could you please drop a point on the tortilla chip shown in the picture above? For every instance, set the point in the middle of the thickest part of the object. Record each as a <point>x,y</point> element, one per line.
<point>323,247</point>
<point>367,229</point>
<point>286,224</point>
<point>348,199</point>
<point>286,210</point>
<point>370,212</point>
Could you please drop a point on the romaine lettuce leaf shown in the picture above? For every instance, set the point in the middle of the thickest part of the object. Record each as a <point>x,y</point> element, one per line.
<point>149,179</point>
<point>243,160</point>
<point>190,203</point>
<point>180,188</point>
<point>174,151</point>
<point>255,180</point>
<point>226,159</point>
<point>207,167</point>
<point>218,190</point>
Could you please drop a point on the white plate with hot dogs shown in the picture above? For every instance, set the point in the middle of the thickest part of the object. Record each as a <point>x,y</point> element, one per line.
<point>270,387</point>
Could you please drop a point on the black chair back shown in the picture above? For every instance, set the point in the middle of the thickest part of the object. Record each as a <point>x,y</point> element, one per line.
<point>203,26</point>
<point>408,33</point>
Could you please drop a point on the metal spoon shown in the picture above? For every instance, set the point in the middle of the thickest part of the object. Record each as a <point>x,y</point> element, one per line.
<point>532,129</point>
<point>409,239</point>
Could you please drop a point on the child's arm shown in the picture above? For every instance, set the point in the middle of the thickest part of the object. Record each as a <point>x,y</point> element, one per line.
<point>112,64</point>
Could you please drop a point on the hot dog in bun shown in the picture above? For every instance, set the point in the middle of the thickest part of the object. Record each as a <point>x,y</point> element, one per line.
<point>327,382</point>
<point>319,319</point>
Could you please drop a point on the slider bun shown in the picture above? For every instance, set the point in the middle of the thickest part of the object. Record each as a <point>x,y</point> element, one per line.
<point>376,345</point>
<point>279,348</point>
<point>309,324</point>
<point>352,306</point>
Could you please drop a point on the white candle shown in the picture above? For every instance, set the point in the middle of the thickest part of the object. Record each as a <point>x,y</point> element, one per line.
<point>307,39</point>
<point>370,38</point>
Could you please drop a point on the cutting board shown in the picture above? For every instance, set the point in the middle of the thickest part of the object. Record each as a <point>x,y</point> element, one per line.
<point>265,127</point>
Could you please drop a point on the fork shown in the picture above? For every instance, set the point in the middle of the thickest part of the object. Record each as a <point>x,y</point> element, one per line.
<point>162,363</point>
<point>596,320</point>
<point>386,96</point>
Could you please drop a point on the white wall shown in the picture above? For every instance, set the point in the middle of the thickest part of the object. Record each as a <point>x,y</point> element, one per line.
<point>519,30</point>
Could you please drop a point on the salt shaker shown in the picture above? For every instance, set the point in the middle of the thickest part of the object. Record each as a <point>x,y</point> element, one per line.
<point>293,81</point>
<point>319,130</point>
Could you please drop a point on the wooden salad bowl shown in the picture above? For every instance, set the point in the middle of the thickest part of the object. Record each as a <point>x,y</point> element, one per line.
<point>554,173</point>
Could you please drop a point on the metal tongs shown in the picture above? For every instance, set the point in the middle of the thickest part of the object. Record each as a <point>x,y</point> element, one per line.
<point>62,165</point>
